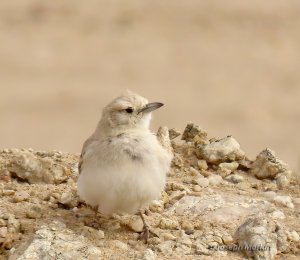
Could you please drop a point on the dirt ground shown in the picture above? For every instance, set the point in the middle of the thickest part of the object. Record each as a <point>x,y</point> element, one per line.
<point>231,66</point>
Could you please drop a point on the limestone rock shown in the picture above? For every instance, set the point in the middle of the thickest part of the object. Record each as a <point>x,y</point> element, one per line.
<point>217,151</point>
<point>33,169</point>
<point>192,132</point>
<point>262,235</point>
<point>267,165</point>
<point>57,242</point>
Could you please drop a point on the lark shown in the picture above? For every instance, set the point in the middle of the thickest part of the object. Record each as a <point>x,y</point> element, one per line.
<point>122,165</point>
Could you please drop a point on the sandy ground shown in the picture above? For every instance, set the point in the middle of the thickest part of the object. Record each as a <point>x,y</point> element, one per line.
<point>231,66</point>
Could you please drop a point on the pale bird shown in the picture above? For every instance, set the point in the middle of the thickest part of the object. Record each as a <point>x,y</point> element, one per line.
<point>123,166</point>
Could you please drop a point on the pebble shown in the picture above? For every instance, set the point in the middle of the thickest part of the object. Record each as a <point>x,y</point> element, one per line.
<point>34,212</point>
<point>269,195</point>
<point>136,224</point>
<point>166,223</point>
<point>173,133</point>
<point>284,201</point>
<point>2,222</point>
<point>68,199</point>
<point>149,255</point>
<point>293,236</point>
<point>215,180</point>
<point>227,168</point>
<point>235,178</point>
<point>156,206</point>
<point>187,226</point>
<point>165,247</point>
<point>202,182</point>
<point>8,192</point>
<point>119,244</point>
<point>277,214</point>
<point>202,165</point>
<point>92,233</point>
<point>21,196</point>
<point>3,232</point>
<point>167,236</point>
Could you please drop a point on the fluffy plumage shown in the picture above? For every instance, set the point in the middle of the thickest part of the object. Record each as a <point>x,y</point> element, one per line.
<point>123,166</point>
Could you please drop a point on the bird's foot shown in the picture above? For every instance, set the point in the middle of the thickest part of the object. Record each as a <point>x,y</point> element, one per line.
<point>146,234</point>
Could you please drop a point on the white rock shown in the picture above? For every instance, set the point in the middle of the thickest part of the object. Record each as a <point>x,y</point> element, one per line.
<point>202,165</point>
<point>166,247</point>
<point>149,255</point>
<point>267,165</point>
<point>235,178</point>
<point>284,201</point>
<point>202,182</point>
<point>215,180</point>
<point>3,232</point>
<point>221,150</point>
<point>167,236</point>
<point>277,214</point>
<point>293,236</point>
<point>227,168</point>
<point>156,206</point>
<point>119,244</point>
<point>21,196</point>
<point>269,195</point>
<point>166,223</point>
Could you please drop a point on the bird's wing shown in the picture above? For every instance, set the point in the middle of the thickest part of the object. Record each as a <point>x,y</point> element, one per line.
<point>83,151</point>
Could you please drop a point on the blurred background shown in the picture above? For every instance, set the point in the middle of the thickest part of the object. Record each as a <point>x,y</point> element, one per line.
<point>230,66</point>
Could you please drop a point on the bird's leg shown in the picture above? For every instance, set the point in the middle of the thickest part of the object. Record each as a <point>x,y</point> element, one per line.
<point>145,233</point>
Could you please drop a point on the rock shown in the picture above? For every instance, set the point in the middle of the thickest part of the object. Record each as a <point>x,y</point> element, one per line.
<point>187,226</point>
<point>269,195</point>
<point>21,196</point>
<point>33,169</point>
<point>3,232</point>
<point>57,242</point>
<point>8,192</point>
<point>166,223</point>
<point>13,225</point>
<point>293,236</point>
<point>227,168</point>
<point>215,180</point>
<point>34,212</point>
<point>69,199</point>
<point>262,235</point>
<point>173,133</point>
<point>119,244</point>
<point>135,224</point>
<point>192,132</point>
<point>234,178</point>
<point>176,195</point>
<point>285,201</point>
<point>277,214</point>
<point>217,151</point>
<point>166,247</point>
<point>167,236</point>
<point>156,206</point>
<point>164,139</point>
<point>2,223</point>
<point>267,165</point>
<point>148,255</point>
<point>92,233</point>
<point>202,165</point>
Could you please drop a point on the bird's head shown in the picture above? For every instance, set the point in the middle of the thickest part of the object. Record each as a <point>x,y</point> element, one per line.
<point>129,111</point>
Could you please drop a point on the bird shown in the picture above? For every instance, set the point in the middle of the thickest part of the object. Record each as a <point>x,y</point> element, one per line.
<point>123,166</point>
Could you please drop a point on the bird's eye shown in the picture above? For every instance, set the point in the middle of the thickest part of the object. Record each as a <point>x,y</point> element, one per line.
<point>129,110</point>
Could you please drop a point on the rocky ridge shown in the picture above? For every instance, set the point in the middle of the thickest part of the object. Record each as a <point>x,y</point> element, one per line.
<point>217,204</point>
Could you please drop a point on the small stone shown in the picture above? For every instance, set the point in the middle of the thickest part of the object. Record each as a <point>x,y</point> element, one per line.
<point>167,236</point>
<point>111,226</point>
<point>93,253</point>
<point>119,244</point>
<point>154,241</point>
<point>277,214</point>
<point>202,182</point>
<point>235,178</point>
<point>193,171</point>
<point>293,236</point>
<point>284,201</point>
<point>13,225</point>
<point>269,195</point>
<point>92,233</point>
<point>283,179</point>
<point>187,226</point>
<point>156,206</point>
<point>149,255</point>
<point>222,150</point>
<point>3,232</point>
<point>34,212</point>
<point>68,199</point>
<point>193,131</point>
<point>166,223</point>
<point>2,222</point>
<point>227,239</point>
<point>202,165</point>
<point>227,168</point>
<point>173,133</point>
<point>165,247</point>
<point>215,180</point>
<point>8,192</point>
<point>136,224</point>
<point>21,196</point>
<point>197,188</point>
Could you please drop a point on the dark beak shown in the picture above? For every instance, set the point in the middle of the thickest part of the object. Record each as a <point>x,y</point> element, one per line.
<point>150,107</point>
